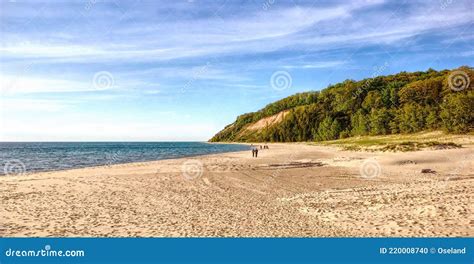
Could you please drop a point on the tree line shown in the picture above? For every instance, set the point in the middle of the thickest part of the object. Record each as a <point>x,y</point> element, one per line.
<point>399,103</point>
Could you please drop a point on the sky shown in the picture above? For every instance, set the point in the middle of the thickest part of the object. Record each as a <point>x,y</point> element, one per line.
<point>142,70</point>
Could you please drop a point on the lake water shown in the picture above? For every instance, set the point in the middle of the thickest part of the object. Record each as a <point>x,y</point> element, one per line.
<point>24,157</point>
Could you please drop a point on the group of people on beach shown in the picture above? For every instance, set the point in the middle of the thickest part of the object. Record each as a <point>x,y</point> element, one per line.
<point>255,149</point>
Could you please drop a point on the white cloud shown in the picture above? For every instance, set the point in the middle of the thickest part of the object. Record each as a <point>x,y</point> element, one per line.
<point>316,65</point>
<point>172,40</point>
<point>262,31</point>
<point>153,50</point>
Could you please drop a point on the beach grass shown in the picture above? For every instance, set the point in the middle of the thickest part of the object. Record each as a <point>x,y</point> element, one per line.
<point>402,142</point>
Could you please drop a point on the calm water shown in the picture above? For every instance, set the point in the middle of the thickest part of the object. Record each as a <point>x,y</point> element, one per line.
<point>47,156</point>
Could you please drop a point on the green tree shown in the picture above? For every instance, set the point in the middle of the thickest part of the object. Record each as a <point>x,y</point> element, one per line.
<point>378,122</point>
<point>432,119</point>
<point>359,124</point>
<point>411,118</point>
<point>457,112</point>
<point>372,100</point>
<point>328,129</point>
<point>400,103</point>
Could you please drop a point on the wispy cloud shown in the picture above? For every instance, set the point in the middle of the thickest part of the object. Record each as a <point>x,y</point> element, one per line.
<point>258,31</point>
<point>316,65</point>
<point>205,36</point>
<point>212,56</point>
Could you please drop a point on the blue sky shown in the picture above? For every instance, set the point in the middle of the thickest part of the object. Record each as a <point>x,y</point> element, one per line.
<point>182,70</point>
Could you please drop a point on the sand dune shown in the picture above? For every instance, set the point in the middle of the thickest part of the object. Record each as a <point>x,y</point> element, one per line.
<point>289,190</point>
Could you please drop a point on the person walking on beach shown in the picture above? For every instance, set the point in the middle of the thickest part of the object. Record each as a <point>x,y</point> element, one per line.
<point>256,153</point>
<point>253,152</point>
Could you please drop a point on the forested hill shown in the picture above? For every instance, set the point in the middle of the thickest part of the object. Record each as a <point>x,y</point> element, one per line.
<point>401,103</point>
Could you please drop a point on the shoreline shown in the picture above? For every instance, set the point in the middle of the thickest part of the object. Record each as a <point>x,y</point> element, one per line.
<point>149,162</point>
<point>2,174</point>
<point>290,190</point>
<point>132,163</point>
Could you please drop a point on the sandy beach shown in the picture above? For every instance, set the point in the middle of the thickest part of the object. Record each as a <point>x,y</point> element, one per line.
<point>290,190</point>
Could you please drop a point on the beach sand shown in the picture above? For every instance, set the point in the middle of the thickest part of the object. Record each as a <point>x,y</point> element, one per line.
<point>290,190</point>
